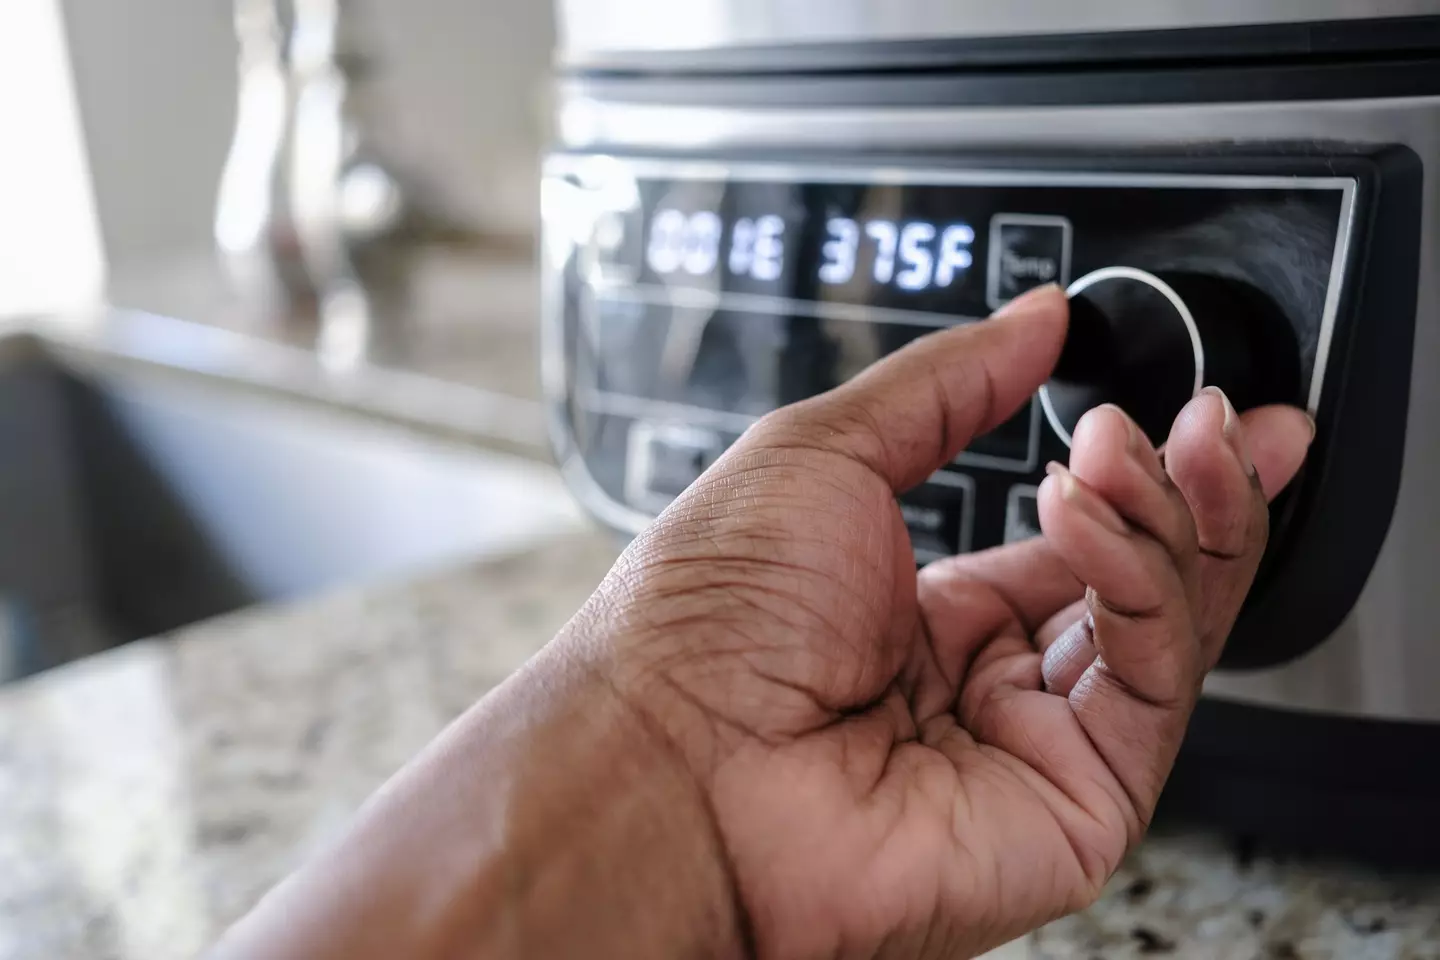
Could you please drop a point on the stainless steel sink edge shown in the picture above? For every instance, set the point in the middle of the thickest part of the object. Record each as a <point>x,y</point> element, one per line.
<point>116,338</point>
<point>158,473</point>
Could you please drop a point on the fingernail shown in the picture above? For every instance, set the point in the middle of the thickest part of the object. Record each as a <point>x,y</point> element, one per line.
<point>1231,428</point>
<point>1086,501</point>
<point>1138,446</point>
<point>1069,656</point>
<point>1311,421</point>
<point>1026,301</point>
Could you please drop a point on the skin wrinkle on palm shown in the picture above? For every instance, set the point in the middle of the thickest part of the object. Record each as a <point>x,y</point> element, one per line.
<point>766,735</point>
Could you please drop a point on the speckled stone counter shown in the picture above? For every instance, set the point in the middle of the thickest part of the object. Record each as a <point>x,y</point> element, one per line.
<point>148,796</point>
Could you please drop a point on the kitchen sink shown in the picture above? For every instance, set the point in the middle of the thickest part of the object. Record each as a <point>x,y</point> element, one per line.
<point>137,500</point>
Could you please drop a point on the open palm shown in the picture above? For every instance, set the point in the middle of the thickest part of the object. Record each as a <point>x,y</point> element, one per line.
<point>931,765</point>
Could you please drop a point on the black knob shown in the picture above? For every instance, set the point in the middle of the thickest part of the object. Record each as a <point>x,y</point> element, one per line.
<point>1148,342</point>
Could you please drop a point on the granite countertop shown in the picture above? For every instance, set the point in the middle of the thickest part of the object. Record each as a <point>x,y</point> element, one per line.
<point>152,793</point>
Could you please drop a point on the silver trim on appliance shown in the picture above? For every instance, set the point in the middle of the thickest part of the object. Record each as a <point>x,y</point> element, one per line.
<point>746,171</point>
<point>592,28</point>
<point>664,411</point>
<point>1168,292</point>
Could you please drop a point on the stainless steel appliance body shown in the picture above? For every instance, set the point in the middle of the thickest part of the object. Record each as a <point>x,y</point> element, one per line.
<point>622,32</point>
<point>1253,96</point>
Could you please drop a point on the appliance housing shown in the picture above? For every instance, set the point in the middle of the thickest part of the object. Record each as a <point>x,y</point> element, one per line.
<point>1284,146</point>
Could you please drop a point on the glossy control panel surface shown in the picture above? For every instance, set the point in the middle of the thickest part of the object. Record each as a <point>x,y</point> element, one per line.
<point>688,299</point>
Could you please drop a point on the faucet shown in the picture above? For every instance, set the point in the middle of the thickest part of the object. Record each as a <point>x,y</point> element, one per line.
<point>308,212</point>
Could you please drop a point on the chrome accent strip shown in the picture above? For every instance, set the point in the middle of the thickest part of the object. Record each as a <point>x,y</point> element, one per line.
<point>589,28</point>
<point>561,164</point>
<point>665,411</point>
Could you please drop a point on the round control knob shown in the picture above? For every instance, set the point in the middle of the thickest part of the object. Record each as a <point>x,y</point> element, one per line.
<point>1149,342</point>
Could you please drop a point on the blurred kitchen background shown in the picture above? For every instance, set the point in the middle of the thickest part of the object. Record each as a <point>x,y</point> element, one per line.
<point>267,305</point>
<point>447,95</point>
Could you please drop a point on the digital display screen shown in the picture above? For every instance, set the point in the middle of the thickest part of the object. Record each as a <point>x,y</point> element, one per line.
<point>915,255</point>
<point>698,296</point>
<point>724,360</point>
<point>901,246</point>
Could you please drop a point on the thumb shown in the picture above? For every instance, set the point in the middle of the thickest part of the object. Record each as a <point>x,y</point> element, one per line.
<point>910,413</point>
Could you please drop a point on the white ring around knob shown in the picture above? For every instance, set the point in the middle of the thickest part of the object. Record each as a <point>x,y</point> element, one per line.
<point>1165,290</point>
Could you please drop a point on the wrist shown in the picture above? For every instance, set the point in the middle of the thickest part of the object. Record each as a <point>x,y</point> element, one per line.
<point>610,844</point>
<point>548,821</point>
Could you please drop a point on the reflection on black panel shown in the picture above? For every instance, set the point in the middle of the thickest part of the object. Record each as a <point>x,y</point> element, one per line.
<point>728,361</point>
<point>1022,513</point>
<point>705,296</point>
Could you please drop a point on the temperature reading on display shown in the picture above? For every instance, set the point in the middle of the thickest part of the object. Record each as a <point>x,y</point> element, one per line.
<point>908,255</point>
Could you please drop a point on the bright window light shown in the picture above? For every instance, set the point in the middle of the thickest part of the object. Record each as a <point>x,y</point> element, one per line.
<point>51,256</point>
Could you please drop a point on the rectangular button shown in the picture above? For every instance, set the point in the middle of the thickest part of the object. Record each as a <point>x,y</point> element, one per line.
<point>664,459</point>
<point>1022,513</point>
<point>1026,251</point>
<point>939,516</point>
<point>1014,445</point>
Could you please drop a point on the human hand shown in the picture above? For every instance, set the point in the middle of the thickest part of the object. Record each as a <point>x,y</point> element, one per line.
<point>932,765</point>
<point>766,735</point>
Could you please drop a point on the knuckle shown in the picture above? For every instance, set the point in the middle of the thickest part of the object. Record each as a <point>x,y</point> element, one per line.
<point>831,423</point>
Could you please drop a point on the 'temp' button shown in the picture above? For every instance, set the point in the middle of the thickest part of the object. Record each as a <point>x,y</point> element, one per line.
<point>1026,251</point>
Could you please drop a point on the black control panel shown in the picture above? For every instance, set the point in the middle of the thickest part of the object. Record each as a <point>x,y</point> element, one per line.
<point>690,298</point>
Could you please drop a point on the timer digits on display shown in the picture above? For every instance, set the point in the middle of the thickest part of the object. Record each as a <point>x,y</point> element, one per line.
<point>680,241</point>
<point>757,247</point>
<point>690,242</point>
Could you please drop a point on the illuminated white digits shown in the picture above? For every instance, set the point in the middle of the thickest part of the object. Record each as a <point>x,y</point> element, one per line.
<point>885,237</point>
<point>955,256</point>
<point>742,247</point>
<point>839,250</point>
<point>667,241</point>
<point>702,243</point>
<point>769,259</point>
<point>919,261</point>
